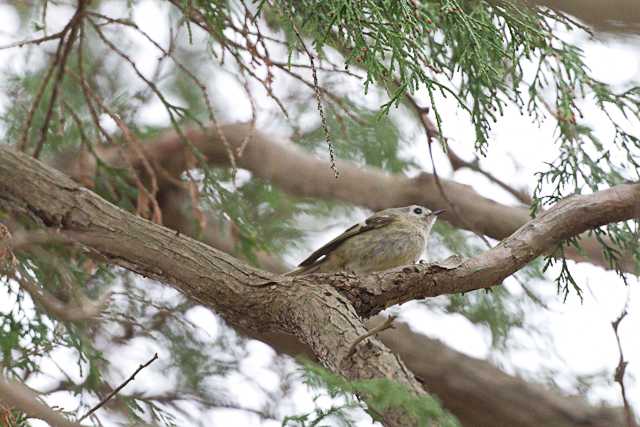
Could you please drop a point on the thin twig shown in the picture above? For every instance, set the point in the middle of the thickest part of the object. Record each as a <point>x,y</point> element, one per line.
<point>24,137</point>
<point>73,27</point>
<point>432,133</point>
<point>620,371</point>
<point>39,40</point>
<point>457,163</point>
<point>120,387</point>
<point>388,323</point>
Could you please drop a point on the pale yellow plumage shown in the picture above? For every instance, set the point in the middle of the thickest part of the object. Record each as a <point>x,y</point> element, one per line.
<point>389,238</point>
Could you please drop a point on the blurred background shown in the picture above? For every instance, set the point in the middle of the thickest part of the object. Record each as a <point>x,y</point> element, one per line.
<point>523,106</point>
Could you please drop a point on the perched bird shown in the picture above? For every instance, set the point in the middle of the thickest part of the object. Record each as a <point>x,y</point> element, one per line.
<point>389,238</point>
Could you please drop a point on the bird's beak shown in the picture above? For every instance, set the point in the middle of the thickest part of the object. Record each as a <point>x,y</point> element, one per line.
<point>438,212</point>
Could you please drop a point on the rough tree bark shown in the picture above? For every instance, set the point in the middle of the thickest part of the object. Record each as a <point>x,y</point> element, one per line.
<point>251,298</point>
<point>16,395</point>
<point>364,186</point>
<point>615,16</point>
<point>481,395</point>
<point>245,297</point>
<point>474,399</point>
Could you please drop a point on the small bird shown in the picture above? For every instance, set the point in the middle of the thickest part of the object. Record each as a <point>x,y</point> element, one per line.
<point>389,238</point>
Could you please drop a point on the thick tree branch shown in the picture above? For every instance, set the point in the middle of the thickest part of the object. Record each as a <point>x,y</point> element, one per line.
<point>481,395</point>
<point>472,389</point>
<point>246,297</point>
<point>616,16</point>
<point>20,397</point>
<point>570,217</point>
<point>364,186</point>
<point>260,301</point>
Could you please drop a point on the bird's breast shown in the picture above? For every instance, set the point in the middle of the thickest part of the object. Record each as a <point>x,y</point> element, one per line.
<point>385,250</point>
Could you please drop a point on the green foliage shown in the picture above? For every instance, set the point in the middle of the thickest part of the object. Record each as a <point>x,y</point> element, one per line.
<point>379,395</point>
<point>260,213</point>
<point>493,309</point>
<point>486,46</point>
<point>334,415</point>
<point>486,55</point>
<point>362,137</point>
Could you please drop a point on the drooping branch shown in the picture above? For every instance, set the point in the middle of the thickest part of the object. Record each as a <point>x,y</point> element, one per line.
<point>363,186</point>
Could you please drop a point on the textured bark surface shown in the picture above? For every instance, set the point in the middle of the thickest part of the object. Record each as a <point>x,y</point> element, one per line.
<point>16,395</point>
<point>364,186</point>
<point>308,307</point>
<point>246,297</point>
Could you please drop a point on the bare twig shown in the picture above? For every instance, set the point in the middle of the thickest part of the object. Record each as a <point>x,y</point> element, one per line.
<point>37,41</point>
<point>120,387</point>
<point>432,132</point>
<point>72,28</point>
<point>620,371</point>
<point>388,323</point>
<point>457,163</point>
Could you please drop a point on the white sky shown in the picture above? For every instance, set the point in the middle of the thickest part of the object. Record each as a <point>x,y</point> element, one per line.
<point>581,332</point>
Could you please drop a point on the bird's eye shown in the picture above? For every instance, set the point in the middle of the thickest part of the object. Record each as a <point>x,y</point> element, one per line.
<point>417,211</point>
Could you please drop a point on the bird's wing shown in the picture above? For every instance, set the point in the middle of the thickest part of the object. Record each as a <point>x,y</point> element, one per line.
<point>370,223</point>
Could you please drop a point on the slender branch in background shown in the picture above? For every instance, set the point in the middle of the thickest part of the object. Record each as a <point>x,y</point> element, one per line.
<point>72,28</point>
<point>369,187</point>
<point>79,309</point>
<point>458,163</point>
<point>37,41</point>
<point>120,387</point>
<point>620,371</point>
<point>431,132</point>
<point>22,398</point>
